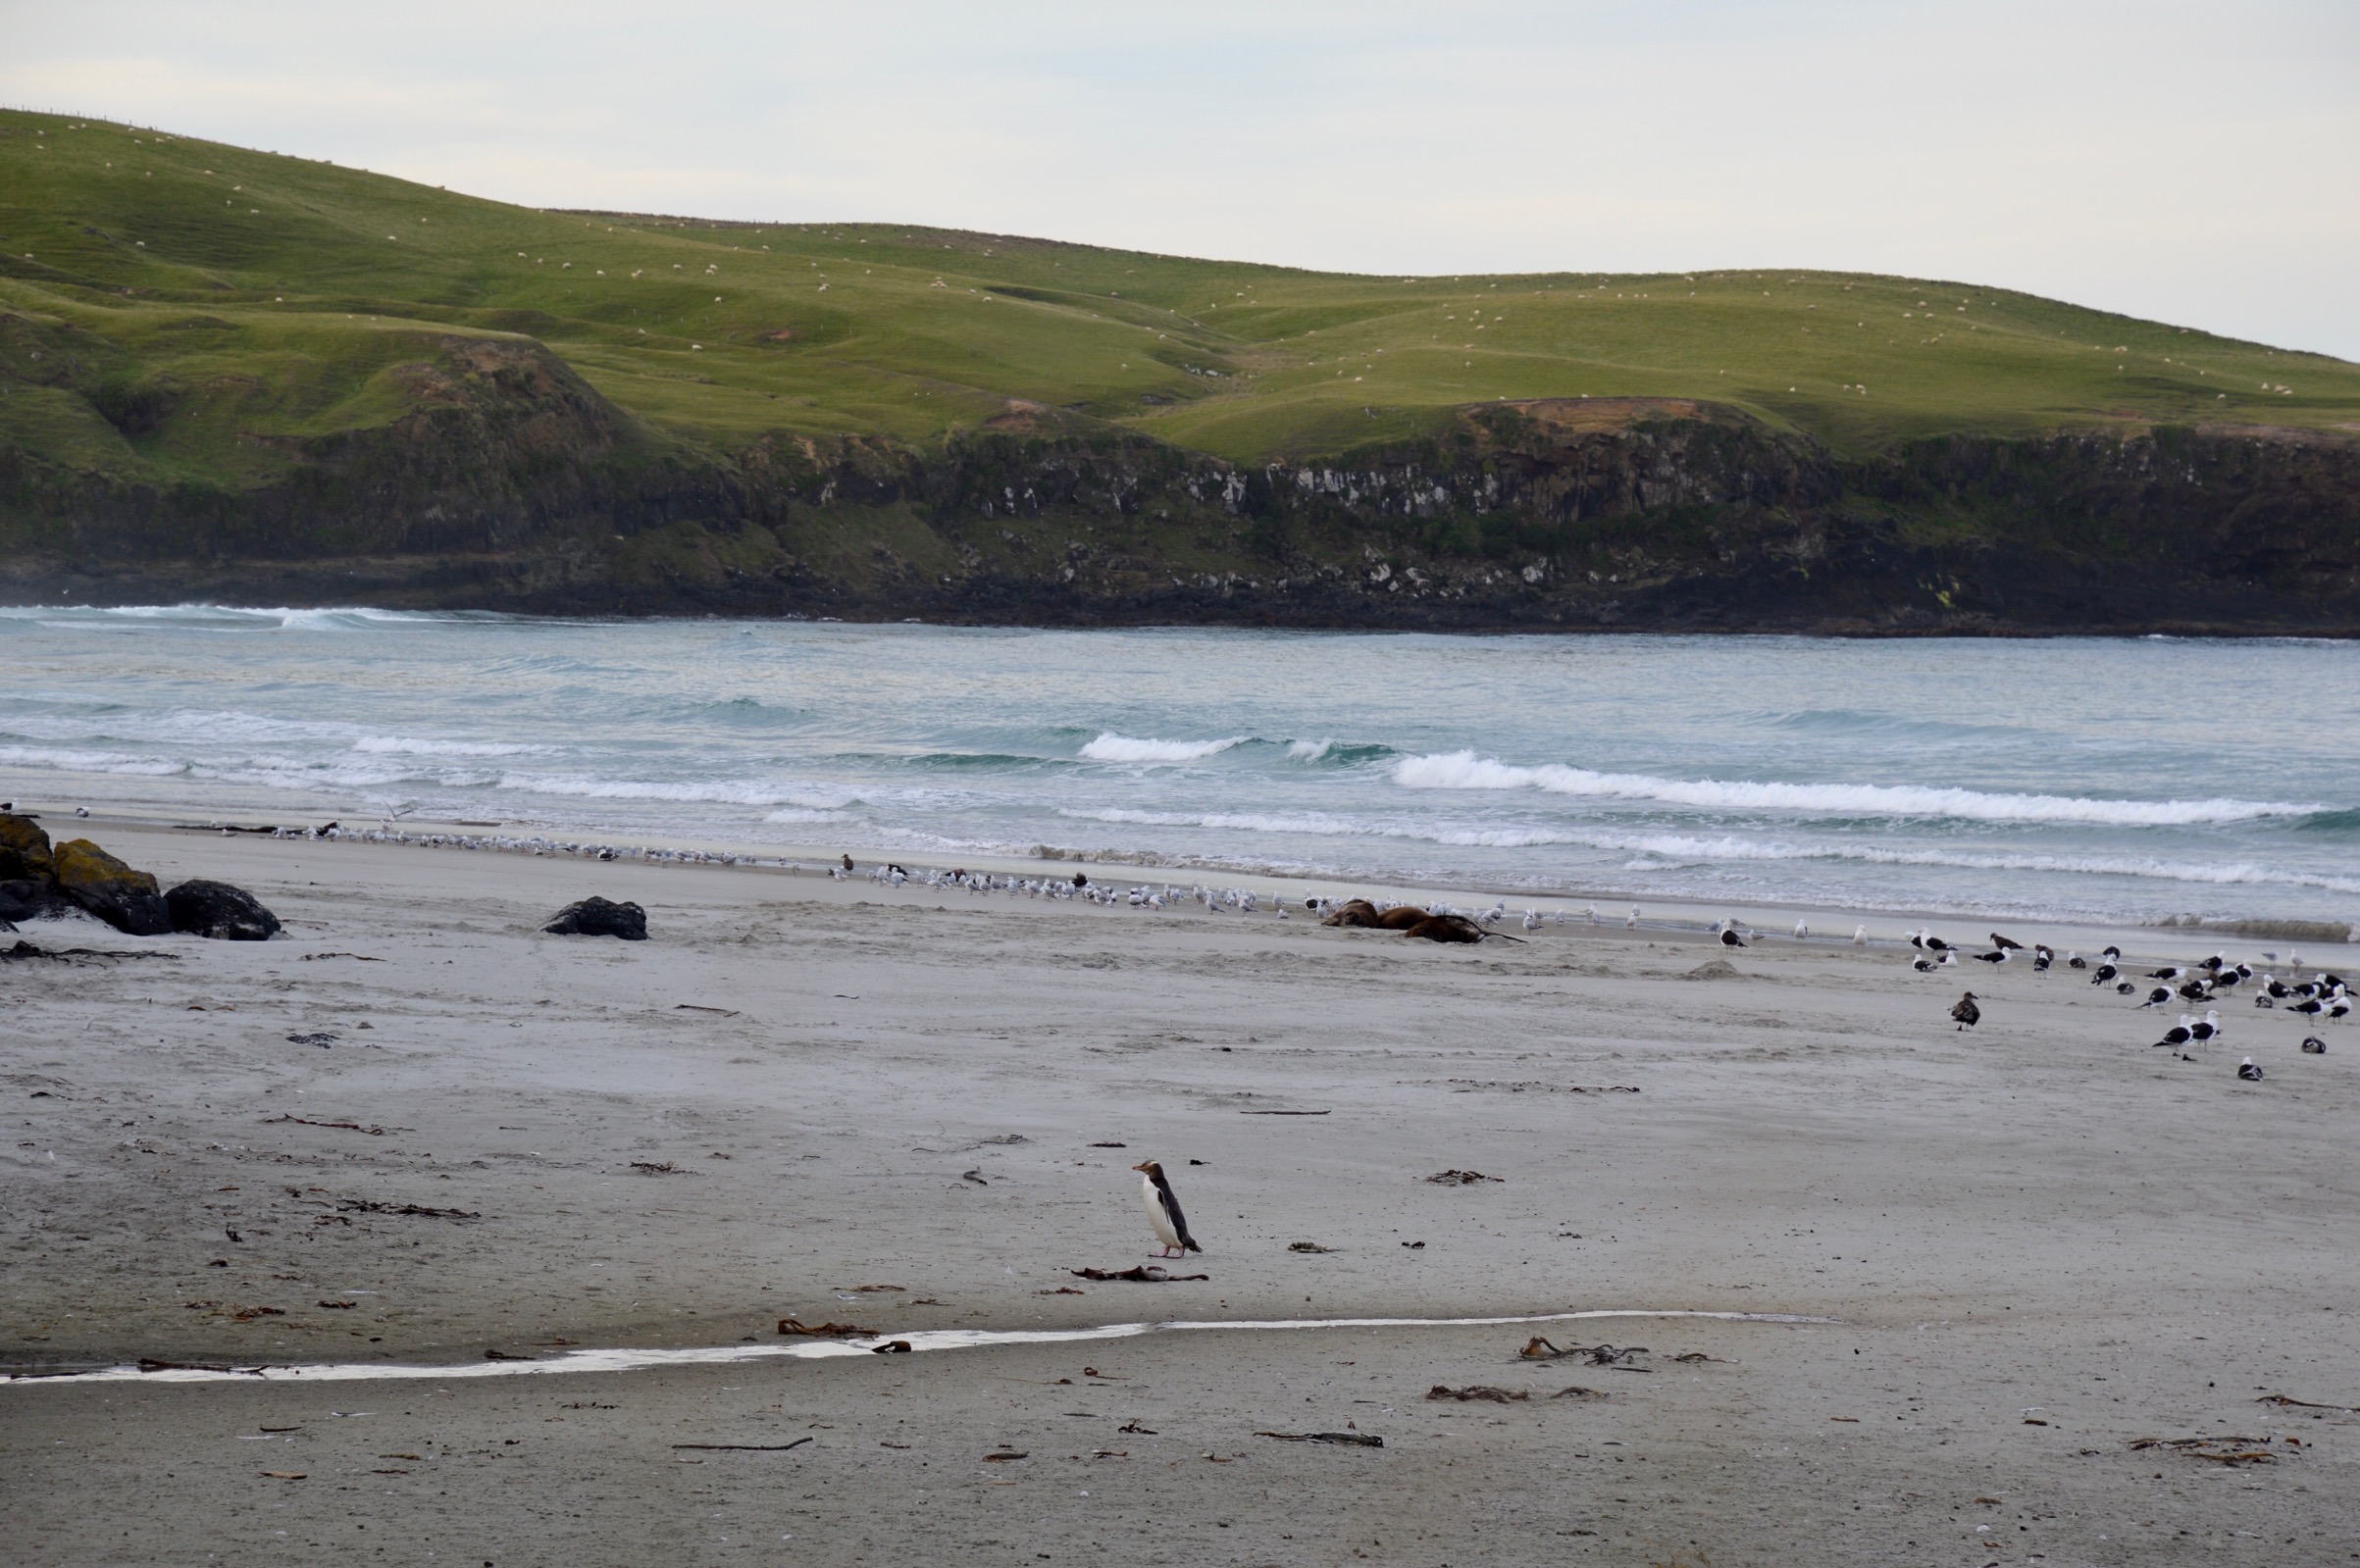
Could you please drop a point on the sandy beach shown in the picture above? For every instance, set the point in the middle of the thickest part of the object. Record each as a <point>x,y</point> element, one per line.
<point>416,1130</point>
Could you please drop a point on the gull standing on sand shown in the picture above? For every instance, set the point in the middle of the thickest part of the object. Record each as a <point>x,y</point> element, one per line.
<point>1966,1013</point>
<point>1164,1211</point>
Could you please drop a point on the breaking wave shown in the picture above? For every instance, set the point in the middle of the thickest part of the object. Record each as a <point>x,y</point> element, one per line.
<point>1463,769</point>
<point>1111,747</point>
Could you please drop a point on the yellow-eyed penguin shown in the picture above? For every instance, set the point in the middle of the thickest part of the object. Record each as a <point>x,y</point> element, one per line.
<point>1164,1211</point>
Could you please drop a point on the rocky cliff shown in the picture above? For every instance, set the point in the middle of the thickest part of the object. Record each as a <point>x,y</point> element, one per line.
<point>506,482</point>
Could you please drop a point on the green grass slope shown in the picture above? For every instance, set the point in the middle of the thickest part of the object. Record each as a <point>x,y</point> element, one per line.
<point>181,309</point>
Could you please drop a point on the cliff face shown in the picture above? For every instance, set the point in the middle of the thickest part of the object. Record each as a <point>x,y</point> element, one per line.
<point>507,482</point>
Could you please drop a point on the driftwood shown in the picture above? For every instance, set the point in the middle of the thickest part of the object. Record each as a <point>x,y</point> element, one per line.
<point>1141,1274</point>
<point>1350,1440</point>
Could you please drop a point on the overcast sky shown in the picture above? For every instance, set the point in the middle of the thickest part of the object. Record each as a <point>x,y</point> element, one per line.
<point>2196,164</point>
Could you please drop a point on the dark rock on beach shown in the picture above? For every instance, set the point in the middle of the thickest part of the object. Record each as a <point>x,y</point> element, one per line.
<point>217,910</point>
<point>596,917</point>
<point>128,901</point>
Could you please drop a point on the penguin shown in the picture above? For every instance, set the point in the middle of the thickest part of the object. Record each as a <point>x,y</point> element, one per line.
<point>2248,1072</point>
<point>1164,1211</point>
<point>1966,1013</point>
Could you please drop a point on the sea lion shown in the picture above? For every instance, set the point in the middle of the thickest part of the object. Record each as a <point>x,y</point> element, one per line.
<point>1351,911</point>
<point>1445,929</point>
<point>1406,918</point>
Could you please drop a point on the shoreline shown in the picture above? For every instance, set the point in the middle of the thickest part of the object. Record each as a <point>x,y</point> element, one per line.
<point>1678,915</point>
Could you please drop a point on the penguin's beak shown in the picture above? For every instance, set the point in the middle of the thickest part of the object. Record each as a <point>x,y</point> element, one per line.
<point>1141,1165</point>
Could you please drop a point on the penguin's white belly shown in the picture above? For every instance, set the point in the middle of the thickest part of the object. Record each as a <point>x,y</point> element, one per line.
<point>1156,1217</point>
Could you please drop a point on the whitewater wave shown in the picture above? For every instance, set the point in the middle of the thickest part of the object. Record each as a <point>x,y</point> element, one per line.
<point>1465,770</point>
<point>407,746</point>
<point>1671,849</point>
<point>229,615</point>
<point>1309,751</point>
<point>77,761</point>
<point>1111,747</point>
<point>711,792</point>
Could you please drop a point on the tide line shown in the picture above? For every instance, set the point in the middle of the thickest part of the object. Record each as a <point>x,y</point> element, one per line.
<point>577,1362</point>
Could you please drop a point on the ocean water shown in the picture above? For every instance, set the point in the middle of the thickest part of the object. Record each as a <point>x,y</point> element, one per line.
<point>2121,781</point>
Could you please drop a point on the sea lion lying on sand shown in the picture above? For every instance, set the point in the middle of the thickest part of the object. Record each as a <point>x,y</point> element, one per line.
<point>1406,918</point>
<point>1352,912</point>
<point>1454,928</point>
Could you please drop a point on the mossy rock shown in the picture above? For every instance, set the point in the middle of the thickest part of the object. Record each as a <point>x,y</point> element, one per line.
<point>128,901</point>
<point>25,853</point>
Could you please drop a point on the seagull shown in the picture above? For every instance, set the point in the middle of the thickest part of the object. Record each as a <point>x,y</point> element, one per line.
<point>1802,928</point>
<point>2313,1046</point>
<point>2042,957</point>
<point>2111,953</point>
<point>1164,1211</point>
<point>1966,1013</point>
<point>2104,972</point>
<point>1860,936</point>
<point>2248,1072</point>
<point>2209,1029</point>
<point>1532,922</point>
<point>1632,924</point>
<point>2180,1033</point>
<point>1998,941</point>
<point>2074,960</point>
<point>1998,955</point>
<point>2156,998</point>
<point>1924,965</point>
<point>1729,936</point>
<point>1934,944</point>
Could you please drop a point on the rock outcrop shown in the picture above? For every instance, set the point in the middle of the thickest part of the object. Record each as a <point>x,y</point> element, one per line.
<point>102,886</point>
<point>25,853</point>
<point>596,917</point>
<point>220,911</point>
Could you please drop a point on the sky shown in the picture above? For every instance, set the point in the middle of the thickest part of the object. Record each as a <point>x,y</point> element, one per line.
<point>2195,163</point>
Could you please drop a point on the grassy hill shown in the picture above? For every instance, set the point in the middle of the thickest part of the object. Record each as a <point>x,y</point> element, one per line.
<point>283,292</point>
<point>188,330</point>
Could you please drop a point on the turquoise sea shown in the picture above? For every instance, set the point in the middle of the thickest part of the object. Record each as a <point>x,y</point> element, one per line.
<point>2120,780</point>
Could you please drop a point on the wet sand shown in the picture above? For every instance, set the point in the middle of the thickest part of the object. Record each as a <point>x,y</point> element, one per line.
<point>2043,1241</point>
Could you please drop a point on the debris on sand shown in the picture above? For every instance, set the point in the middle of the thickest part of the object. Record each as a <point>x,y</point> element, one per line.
<point>892,1347</point>
<point>322,1038</point>
<point>1142,1274</point>
<point>349,1127</point>
<point>67,955</point>
<point>871,1290</point>
<point>695,1007</point>
<point>1063,1290</point>
<point>596,917</point>
<point>1475,1390</point>
<point>2222,1449</point>
<point>1349,1440</point>
<point>1715,969</point>
<point>1006,1456</point>
<point>1455,1178</point>
<point>1537,1349</point>
<point>363,1205</point>
<point>2305,1405</point>
<point>660,1168</point>
<point>1307,1246</point>
<point>831,1330</point>
<point>746,1448</point>
<point>1575,1390</point>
